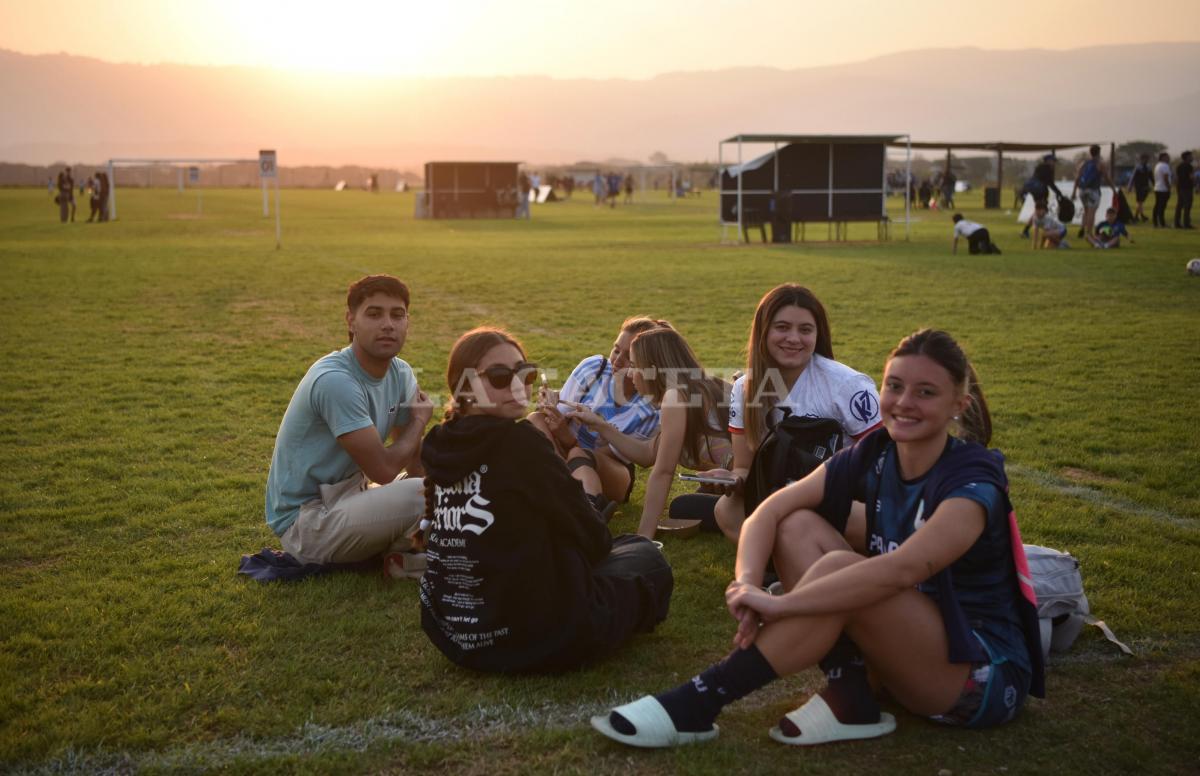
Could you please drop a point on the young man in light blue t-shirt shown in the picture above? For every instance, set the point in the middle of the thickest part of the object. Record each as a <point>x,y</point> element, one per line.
<point>330,446</point>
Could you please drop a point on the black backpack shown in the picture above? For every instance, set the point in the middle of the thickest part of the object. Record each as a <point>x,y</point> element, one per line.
<point>1066,210</point>
<point>792,448</point>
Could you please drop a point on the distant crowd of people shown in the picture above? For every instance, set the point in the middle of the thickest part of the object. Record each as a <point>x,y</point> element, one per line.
<point>933,192</point>
<point>95,189</point>
<point>606,188</point>
<point>1047,226</point>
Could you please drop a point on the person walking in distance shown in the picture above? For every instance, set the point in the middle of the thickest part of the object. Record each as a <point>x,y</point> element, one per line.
<point>1162,189</point>
<point>1184,184</point>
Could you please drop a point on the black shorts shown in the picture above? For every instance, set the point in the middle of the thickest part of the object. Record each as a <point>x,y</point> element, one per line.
<point>632,477</point>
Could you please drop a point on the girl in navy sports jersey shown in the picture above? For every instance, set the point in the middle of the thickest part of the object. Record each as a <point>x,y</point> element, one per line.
<point>921,590</point>
<point>789,367</point>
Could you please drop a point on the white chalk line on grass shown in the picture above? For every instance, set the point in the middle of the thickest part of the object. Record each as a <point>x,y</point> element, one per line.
<point>1097,497</point>
<point>311,738</point>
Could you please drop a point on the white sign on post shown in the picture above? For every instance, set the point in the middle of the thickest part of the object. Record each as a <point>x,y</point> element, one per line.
<point>267,169</point>
<point>266,164</point>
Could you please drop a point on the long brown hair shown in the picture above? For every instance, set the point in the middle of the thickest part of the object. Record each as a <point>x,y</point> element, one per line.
<point>640,323</point>
<point>467,352</point>
<point>975,422</point>
<point>675,366</point>
<point>759,362</point>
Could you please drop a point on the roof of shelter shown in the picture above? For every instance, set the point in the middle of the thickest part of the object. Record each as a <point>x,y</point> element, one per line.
<point>748,138</point>
<point>992,146</point>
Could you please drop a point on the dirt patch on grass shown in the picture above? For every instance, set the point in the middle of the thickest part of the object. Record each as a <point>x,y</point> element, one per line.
<point>258,318</point>
<point>29,564</point>
<point>1083,475</point>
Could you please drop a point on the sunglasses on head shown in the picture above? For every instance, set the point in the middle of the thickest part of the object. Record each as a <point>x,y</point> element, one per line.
<point>501,376</point>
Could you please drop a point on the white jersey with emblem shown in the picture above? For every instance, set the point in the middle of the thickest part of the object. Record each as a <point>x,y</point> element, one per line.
<point>825,389</point>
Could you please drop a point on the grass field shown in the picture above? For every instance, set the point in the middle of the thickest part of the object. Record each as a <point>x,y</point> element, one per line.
<point>147,363</point>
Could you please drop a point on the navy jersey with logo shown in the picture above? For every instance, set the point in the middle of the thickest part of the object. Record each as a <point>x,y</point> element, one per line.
<point>984,580</point>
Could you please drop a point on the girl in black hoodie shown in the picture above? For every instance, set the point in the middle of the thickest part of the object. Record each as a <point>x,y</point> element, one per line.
<point>522,572</point>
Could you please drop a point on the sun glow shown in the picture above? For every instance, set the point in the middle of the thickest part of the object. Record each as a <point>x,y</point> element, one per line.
<point>561,38</point>
<point>347,36</point>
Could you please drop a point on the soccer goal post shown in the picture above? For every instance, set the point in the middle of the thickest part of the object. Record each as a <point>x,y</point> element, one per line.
<point>179,163</point>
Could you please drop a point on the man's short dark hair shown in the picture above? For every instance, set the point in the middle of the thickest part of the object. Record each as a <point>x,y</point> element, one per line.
<point>375,284</point>
<point>1094,150</point>
<point>957,217</point>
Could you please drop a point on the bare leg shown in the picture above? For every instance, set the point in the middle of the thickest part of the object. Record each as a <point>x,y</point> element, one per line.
<point>730,513</point>
<point>902,637</point>
<point>802,539</point>
<point>614,475</point>
<point>587,475</point>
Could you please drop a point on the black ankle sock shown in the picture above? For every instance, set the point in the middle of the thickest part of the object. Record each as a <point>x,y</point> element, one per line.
<point>847,690</point>
<point>694,705</point>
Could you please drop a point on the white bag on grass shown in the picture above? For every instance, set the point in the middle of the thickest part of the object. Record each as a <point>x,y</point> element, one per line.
<point>1062,606</point>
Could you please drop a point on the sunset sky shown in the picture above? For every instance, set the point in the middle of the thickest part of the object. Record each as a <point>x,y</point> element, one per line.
<point>567,38</point>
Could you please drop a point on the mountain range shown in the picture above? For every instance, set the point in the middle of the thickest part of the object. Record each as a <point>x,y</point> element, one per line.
<point>74,109</point>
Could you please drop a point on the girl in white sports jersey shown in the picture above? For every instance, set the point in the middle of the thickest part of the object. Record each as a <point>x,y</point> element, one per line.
<point>790,369</point>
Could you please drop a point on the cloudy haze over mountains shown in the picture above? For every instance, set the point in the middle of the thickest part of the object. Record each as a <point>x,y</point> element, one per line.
<point>73,109</point>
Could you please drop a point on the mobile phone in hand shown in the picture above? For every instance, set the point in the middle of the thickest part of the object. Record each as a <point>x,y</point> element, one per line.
<point>708,479</point>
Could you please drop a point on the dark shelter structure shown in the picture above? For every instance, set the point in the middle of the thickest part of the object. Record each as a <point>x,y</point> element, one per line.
<point>470,190</point>
<point>830,179</point>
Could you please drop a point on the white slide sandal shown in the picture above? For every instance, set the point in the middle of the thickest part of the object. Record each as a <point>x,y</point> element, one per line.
<point>818,725</point>
<point>654,728</point>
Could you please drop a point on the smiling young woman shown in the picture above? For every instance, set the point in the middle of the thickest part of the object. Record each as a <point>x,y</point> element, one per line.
<point>790,369</point>
<point>921,588</point>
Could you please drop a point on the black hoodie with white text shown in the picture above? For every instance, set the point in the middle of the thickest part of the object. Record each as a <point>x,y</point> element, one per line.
<point>510,549</point>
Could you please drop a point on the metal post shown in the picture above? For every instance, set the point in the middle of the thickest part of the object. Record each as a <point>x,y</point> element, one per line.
<point>266,208</point>
<point>775,161</point>
<point>907,184</point>
<point>721,189</point>
<point>112,192</point>
<point>883,192</point>
<point>741,233</point>
<point>999,176</point>
<point>829,194</point>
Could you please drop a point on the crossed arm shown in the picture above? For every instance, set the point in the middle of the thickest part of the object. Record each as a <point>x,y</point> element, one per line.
<point>945,537</point>
<point>383,464</point>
